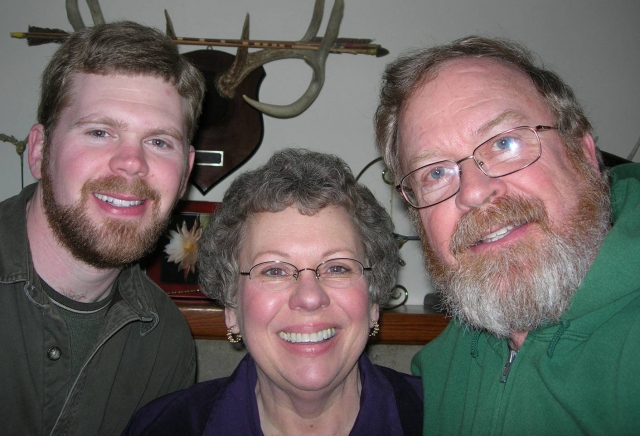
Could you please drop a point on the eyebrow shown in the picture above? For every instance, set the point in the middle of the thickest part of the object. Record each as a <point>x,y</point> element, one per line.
<point>92,119</point>
<point>110,121</point>
<point>174,133</point>
<point>506,115</point>
<point>266,253</point>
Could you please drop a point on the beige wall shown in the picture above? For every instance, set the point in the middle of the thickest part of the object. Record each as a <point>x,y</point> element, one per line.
<point>594,44</point>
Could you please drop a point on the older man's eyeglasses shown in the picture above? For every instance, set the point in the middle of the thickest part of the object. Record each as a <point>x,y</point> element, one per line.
<point>500,155</point>
<point>337,273</point>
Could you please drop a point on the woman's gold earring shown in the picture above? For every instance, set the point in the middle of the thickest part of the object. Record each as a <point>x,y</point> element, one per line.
<point>376,328</point>
<point>234,338</point>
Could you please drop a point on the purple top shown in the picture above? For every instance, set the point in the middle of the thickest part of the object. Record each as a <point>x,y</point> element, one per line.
<point>390,404</point>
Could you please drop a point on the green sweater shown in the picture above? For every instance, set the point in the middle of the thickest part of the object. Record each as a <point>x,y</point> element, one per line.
<point>581,376</point>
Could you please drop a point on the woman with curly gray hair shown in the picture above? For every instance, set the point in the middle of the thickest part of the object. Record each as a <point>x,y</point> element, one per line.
<point>302,257</point>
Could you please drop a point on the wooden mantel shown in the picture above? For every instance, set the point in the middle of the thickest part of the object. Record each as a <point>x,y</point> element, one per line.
<point>406,325</point>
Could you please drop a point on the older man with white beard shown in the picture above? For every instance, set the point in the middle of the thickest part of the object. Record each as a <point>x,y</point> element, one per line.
<point>531,242</point>
<point>86,337</point>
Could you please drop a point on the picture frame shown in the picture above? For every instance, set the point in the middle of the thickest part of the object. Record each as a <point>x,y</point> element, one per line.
<point>179,282</point>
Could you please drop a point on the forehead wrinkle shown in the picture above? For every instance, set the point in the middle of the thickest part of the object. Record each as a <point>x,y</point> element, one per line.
<point>426,154</point>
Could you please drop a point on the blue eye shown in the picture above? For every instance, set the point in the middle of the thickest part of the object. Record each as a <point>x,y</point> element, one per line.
<point>159,143</point>
<point>437,173</point>
<point>507,143</point>
<point>98,133</point>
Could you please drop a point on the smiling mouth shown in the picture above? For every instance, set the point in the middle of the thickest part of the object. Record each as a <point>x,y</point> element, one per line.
<point>497,235</point>
<point>118,202</point>
<point>307,338</point>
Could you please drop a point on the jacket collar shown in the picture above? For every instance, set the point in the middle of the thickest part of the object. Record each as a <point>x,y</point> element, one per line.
<point>16,264</point>
<point>15,258</point>
<point>618,260</point>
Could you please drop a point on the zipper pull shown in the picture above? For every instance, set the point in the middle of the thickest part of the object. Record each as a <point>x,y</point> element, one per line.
<point>507,366</point>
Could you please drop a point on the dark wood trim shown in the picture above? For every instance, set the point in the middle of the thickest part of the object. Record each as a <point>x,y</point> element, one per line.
<point>406,325</point>
<point>409,325</point>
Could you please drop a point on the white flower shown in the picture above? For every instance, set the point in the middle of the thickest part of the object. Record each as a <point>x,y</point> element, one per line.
<point>183,246</point>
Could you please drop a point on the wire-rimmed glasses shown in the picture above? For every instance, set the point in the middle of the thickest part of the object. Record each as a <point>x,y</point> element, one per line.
<point>276,275</point>
<point>500,155</point>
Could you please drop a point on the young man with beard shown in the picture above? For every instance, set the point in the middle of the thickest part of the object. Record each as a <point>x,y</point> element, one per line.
<point>533,246</point>
<point>86,337</point>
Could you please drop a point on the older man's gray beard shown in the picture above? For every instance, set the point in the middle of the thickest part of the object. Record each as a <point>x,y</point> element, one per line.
<point>527,284</point>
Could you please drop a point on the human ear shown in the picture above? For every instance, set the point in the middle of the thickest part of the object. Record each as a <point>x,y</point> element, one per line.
<point>374,314</point>
<point>231,319</point>
<point>35,150</point>
<point>589,150</point>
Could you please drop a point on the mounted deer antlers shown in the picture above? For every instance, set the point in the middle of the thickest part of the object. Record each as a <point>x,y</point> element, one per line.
<point>246,62</point>
<point>73,13</point>
<point>230,130</point>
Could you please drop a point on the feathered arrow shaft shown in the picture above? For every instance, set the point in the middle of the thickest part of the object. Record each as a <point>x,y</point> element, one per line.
<point>39,35</point>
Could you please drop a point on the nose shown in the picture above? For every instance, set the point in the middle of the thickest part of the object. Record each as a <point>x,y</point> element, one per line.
<point>308,293</point>
<point>129,159</point>
<point>476,188</point>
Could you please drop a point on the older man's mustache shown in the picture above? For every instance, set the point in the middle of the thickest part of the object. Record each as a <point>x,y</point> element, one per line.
<point>508,211</point>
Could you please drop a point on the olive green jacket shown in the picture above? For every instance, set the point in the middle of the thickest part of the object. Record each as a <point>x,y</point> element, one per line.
<point>143,350</point>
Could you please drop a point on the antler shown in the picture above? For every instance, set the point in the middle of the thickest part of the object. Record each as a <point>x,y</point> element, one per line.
<point>73,13</point>
<point>246,62</point>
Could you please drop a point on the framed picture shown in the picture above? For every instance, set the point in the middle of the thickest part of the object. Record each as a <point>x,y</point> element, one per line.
<point>172,265</point>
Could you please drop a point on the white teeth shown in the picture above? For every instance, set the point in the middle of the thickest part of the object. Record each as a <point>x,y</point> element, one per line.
<point>117,202</point>
<point>320,336</point>
<point>498,234</point>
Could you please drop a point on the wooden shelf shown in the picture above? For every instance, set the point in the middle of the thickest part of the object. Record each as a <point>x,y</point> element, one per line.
<point>409,325</point>
<point>406,325</point>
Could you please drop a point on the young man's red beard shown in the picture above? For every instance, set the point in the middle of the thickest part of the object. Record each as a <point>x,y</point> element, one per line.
<point>113,243</point>
<point>527,284</point>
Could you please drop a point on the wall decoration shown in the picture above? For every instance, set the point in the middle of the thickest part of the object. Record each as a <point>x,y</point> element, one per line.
<point>20,146</point>
<point>172,265</point>
<point>231,128</point>
<point>400,294</point>
<point>230,131</point>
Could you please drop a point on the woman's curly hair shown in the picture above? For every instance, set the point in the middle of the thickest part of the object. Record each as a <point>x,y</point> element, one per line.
<point>309,181</point>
